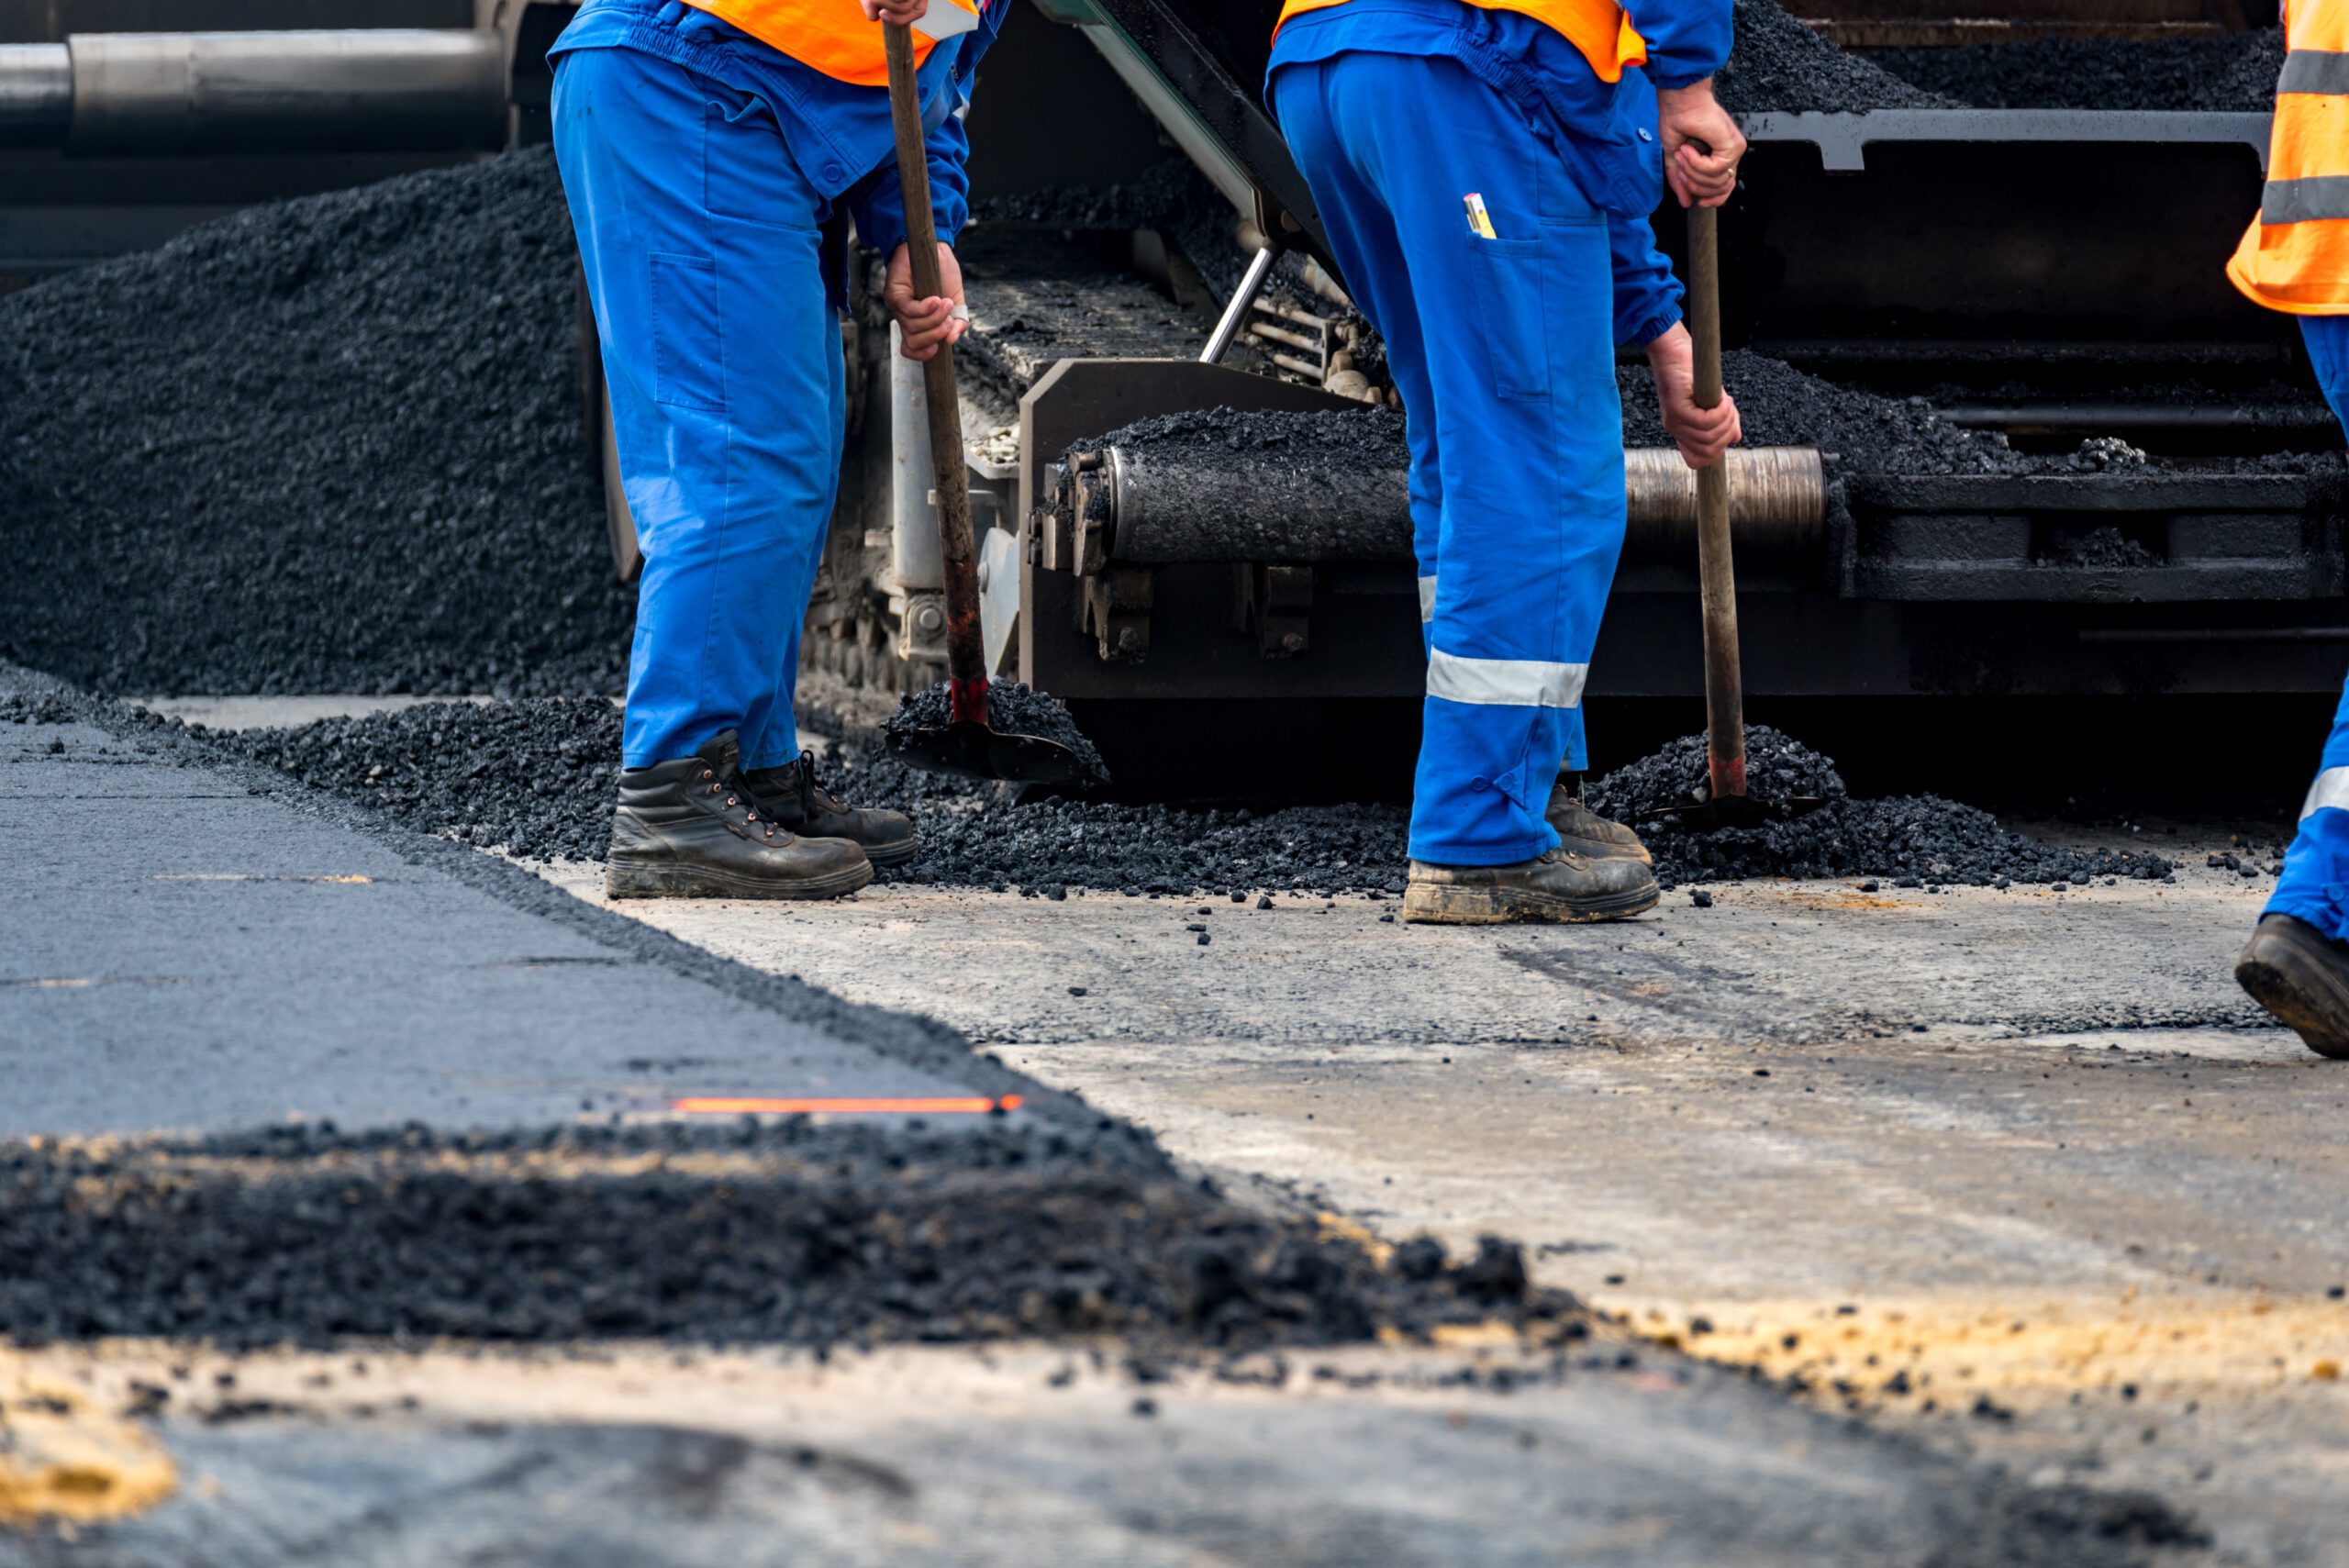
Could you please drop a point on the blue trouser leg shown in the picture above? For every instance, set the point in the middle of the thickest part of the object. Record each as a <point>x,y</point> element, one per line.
<point>700,240</point>
<point>1503,352</point>
<point>2315,883</point>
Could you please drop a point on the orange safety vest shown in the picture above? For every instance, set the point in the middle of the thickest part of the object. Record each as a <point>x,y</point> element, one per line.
<point>2295,256</point>
<point>829,36</point>
<point>1598,28</point>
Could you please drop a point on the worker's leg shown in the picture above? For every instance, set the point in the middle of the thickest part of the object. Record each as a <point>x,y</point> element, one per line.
<point>2315,883</point>
<point>1364,241</point>
<point>2297,964</point>
<point>1512,335</point>
<point>777,742</point>
<point>700,243</point>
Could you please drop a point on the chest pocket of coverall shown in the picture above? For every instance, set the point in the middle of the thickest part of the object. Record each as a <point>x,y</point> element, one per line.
<point>1509,277</point>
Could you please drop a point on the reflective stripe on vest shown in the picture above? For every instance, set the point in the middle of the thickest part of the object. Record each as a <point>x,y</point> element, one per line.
<point>1598,29</point>
<point>2295,256</point>
<point>829,36</point>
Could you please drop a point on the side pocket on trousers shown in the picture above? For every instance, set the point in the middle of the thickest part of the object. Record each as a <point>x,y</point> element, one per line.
<point>1508,276</point>
<point>688,340</point>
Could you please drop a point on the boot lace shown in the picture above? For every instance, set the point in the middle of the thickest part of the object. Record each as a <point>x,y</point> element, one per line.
<point>733,802</point>
<point>811,794</point>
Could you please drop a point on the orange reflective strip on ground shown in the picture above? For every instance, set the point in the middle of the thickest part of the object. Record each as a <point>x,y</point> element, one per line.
<point>744,1104</point>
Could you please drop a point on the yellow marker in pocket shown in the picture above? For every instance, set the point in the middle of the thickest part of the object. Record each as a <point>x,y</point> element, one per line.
<point>1480,222</point>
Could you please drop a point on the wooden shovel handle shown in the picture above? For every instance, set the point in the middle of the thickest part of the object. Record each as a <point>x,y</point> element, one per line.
<point>966,668</point>
<point>1716,575</point>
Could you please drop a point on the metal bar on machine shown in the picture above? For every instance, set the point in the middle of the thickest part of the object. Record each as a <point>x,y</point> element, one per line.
<point>1235,314</point>
<point>1283,335</point>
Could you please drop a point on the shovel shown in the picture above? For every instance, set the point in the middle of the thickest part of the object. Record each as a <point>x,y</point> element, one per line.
<point>1727,802</point>
<point>968,744</point>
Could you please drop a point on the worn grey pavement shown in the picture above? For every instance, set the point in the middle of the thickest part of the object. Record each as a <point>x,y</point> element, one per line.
<point>2025,1154</point>
<point>1006,1459</point>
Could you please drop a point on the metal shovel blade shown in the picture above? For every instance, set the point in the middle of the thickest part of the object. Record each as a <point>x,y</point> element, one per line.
<point>972,751</point>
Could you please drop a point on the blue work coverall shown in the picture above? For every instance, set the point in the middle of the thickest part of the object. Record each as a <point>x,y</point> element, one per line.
<point>1420,124</point>
<point>2315,883</point>
<point>700,165</point>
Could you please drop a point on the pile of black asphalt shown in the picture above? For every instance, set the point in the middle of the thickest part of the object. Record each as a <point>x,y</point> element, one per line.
<point>782,1232</point>
<point>1862,431</point>
<point>536,778</point>
<point>1911,841</point>
<point>1362,439</point>
<point>329,444</point>
<point>2227,73</point>
<point>1780,64</point>
<point>1036,299</point>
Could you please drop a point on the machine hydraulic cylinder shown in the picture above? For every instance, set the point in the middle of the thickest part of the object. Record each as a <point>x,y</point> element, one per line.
<point>340,90</point>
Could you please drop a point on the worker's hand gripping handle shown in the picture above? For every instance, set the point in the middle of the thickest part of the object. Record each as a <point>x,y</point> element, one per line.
<point>1717,577</point>
<point>967,669</point>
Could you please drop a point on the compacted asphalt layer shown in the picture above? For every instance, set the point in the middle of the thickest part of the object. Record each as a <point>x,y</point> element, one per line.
<point>201,949</point>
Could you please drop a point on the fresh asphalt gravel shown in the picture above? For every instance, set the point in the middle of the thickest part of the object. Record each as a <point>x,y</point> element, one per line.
<point>331,444</point>
<point>536,777</point>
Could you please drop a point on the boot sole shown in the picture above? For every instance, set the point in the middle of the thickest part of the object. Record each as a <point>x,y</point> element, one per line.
<point>2299,989</point>
<point>673,879</point>
<point>1443,904</point>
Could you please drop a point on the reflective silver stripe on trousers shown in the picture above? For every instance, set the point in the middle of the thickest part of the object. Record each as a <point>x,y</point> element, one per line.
<point>2331,789</point>
<point>2313,200</point>
<point>2315,71</point>
<point>1506,682</point>
<point>1427,598</point>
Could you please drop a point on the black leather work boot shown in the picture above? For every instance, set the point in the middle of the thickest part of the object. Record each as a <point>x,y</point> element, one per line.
<point>790,796</point>
<point>1585,831</point>
<point>1562,887</point>
<point>687,829</point>
<point>2297,973</point>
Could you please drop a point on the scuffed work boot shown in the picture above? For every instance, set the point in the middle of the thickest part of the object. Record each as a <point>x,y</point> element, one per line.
<point>2296,972</point>
<point>687,829</point>
<point>1561,886</point>
<point>790,796</point>
<point>1585,831</point>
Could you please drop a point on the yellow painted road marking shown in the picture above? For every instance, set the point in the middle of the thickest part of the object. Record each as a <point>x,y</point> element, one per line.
<point>2025,1351</point>
<point>66,1462</point>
